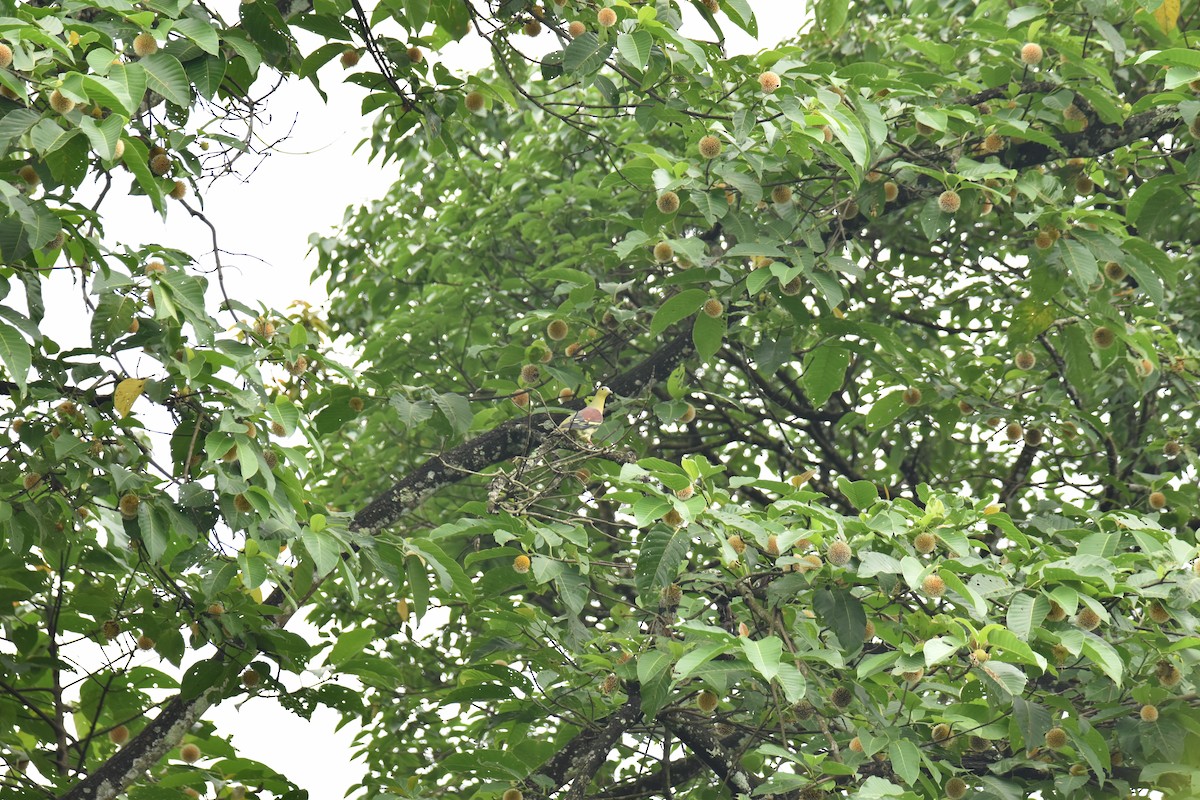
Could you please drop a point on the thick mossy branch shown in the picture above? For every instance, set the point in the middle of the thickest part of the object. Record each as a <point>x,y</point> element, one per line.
<point>510,439</point>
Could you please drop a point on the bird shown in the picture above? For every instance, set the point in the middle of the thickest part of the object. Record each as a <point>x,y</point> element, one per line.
<point>584,422</point>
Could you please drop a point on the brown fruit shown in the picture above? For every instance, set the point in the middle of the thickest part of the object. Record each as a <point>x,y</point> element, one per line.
<point>1149,713</point>
<point>608,685</point>
<point>781,195</point>
<point>707,701</point>
<point>1158,613</point>
<point>474,102</point>
<point>1025,360</point>
<point>841,697</point>
<point>1043,240</point>
<point>606,17</point>
<point>911,396</point>
<point>521,399</point>
<point>688,414</point>
<point>965,408</point>
<point>769,82</point>
<point>111,628</point>
<point>530,373</point>
<point>160,164</point>
<point>993,143</point>
<point>736,543</point>
<point>557,330</point>
<point>1171,448</point>
<point>350,59</point>
<point>940,733</point>
<point>29,175</point>
<point>60,102</point>
<point>356,404</point>
<point>1056,613</point>
<point>672,595</point>
<point>663,252</point>
<point>685,493</point>
<point>190,753</point>
<point>576,29</point>
<point>1087,619</point>
<point>934,586</point>
<point>956,788</point>
<point>1103,337</point>
<point>668,202</point>
<point>713,307</point>
<point>673,518</point>
<point>521,564</point>
<point>416,56</point>
<point>5,56</point>
<point>30,480</point>
<point>242,504</point>
<point>128,506</point>
<point>119,735</point>
<point>532,28</point>
<point>925,542</point>
<point>1157,501</point>
<point>1168,674</point>
<point>144,642</point>
<point>1014,431</point>
<point>890,191</point>
<point>250,679</point>
<point>178,191</point>
<point>949,201</point>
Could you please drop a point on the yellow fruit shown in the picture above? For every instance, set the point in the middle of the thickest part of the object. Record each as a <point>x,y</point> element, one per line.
<point>1032,54</point>
<point>1149,713</point>
<point>119,735</point>
<point>663,252</point>
<point>668,202</point>
<point>576,29</point>
<point>934,586</point>
<point>216,609</point>
<point>993,143</point>
<point>839,553</point>
<point>521,564</point>
<point>30,480</point>
<point>606,17</point>
<point>474,102</point>
<point>60,102</point>
<point>1087,619</point>
<point>685,493</point>
<point>781,195</point>
<point>949,201</point>
<point>190,753</point>
<point>1158,613</point>
<point>1056,613</point>
<point>713,307</point>
<point>709,147</point>
<point>1025,360</point>
<point>736,543</point>
<point>530,373</point>
<point>769,82</point>
<point>608,685</point>
<point>128,506</point>
<point>1157,501</point>
<point>144,44</point>
<point>1014,431</point>
<point>5,56</point>
<point>557,330</point>
<point>513,794</point>
<point>706,701</point>
<point>521,399</point>
<point>979,656</point>
<point>869,631</point>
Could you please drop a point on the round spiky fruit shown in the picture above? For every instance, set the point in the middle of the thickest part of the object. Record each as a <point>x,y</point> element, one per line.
<point>940,733</point>
<point>672,595</point>
<point>673,518</point>
<point>869,631</point>
<point>890,191</point>
<point>1056,738</point>
<point>1032,54</point>
<point>128,505</point>
<point>689,414</point>
<point>119,735</point>
<point>772,548</point>
<point>709,147</point>
<point>949,201</point>
<point>5,56</point>
<point>415,55</point>
<point>60,102</point>
<point>663,252</point>
<point>1025,360</point>
<point>29,175</point>
<point>1014,431</point>
<point>1158,613</point>
<point>530,373</point>
<point>855,745</point>
<point>144,44</point>
<point>685,493</point>
<point>736,543</point>
<point>1171,448</point>
<point>792,287</point>
<point>190,753</point>
<point>557,330</point>
<point>769,82</point>
<point>533,28</point>
<point>1168,674</point>
<point>144,642</point>
<point>706,701</point>
<point>513,794</point>
<point>356,404</point>
<point>911,396</point>
<point>668,202</point>
<point>965,408</point>
<point>110,628</point>
<point>521,399</point>
<point>713,307</point>
<point>914,677</point>
<point>474,102</point>
<point>606,17</point>
<point>1103,337</point>
<point>1043,240</point>
<point>934,586</point>
<point>1149,713</point>
<point>809,562</point>
<point>925,542</point>
<point>993,143</point>
<point>1057,613</point>
<point>251,678</point>
<point>841,697</point>
<point>781,195</point>
<point>839,553</point>
<point>609,684</point>
<point>160,165</point>
<point>576,29</point>
<point>179,190</point>
<point>1087,619</point>
<point>956,788</point>
<point>1157,501</point>
<point>521,564</point>
<point>350,58</point>
<point>242,504</point>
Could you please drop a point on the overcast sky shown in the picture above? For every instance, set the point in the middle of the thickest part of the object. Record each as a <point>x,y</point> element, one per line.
<point>263,225</point>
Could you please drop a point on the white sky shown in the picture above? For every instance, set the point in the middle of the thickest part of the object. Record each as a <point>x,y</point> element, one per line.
<point>263,226</point>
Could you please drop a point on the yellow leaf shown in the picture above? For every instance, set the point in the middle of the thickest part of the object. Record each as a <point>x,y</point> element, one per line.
<point>127,391</point>
<point>1167,15</point>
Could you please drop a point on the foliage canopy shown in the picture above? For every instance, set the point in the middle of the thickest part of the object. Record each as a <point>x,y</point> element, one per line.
<point>895,496</point>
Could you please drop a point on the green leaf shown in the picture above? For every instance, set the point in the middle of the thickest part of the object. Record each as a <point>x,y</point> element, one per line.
<point>707,334</point>
<point>1105,656</point>
<point>906,760</point>
<point>456,409</point>
<point>201,33</point>
<point>676,308</point>
<point>660,558</point>
<point>824,372</point>
<point>324,548</point>
<point>350,644</point>
<point>586,54</point>
<point>1026,612</point>
<point>103,135</point>
<point>861,494</point>
<point>1080,262</point>
<point>842,613</point>
<point>16,355</point>
<point>634,47</point>
<point>1033,720</point>
<point>166,76</point>
<point>1011,678</point>
<point>199,678</point>
<point>764,654</point>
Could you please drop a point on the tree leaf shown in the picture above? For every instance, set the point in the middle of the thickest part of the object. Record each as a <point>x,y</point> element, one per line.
<point>677,307</point>
<point>824,372</point>
<point>166,76</point>
<point>842,613</point>
<point>16,355</point>
<point>127,392</point>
